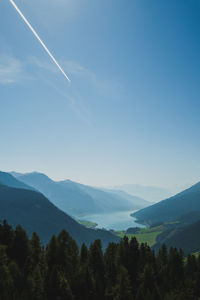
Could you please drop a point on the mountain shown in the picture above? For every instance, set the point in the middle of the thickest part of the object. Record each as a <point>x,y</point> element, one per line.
<point>185,237</point>
<point>77,199</point>
<point>9,180</point>
<point>72,201</point>
<point>172,208</point>
<point>16,174</point>
<point>189,218</point>
<point>108,199</point>
<point>149,193</point>
<point>135,199</point>
<point>36,213</point>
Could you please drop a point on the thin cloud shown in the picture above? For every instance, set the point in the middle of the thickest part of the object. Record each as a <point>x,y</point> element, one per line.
<point>42,64</point>
<point>51,13</point>
<point>11,69</point>
<point>76,69</point>
<point>71,67</point>
<point>74,102</point>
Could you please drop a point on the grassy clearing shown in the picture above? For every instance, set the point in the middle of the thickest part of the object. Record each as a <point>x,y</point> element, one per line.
<point>196,254</point>
<point>152,229</point>
<point>144,235</point>
<point>149,237</point>
<point>87,224</point>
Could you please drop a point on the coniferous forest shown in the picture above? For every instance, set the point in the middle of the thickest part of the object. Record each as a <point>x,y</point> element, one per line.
<point>62,271</point>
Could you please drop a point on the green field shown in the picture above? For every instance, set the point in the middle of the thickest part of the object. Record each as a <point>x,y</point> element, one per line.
<point>87,224</point>
<point>196,254</point>
<point>144,235</point>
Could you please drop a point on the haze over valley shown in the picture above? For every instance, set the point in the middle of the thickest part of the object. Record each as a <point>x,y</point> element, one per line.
<point>38,203</point>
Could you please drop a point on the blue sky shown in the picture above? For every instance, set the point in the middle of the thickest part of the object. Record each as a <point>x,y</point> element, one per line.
<point>131,112</point>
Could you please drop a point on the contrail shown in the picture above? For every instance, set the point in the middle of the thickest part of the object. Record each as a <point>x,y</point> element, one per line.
<point>39,39</point>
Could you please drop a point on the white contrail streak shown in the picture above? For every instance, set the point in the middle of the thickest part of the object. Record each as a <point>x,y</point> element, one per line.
<point>39,39</point>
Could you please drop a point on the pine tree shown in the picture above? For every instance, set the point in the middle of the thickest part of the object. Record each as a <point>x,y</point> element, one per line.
<point>84,255</point>
<point>52,253</point>
<point>85,284</point>
<point>122,290</point>
<point>17,278</point>
<point>68,254</point>
<point>58,288</point>
<point>6,282</point>
<point>96,263</point>
<point>6,235</point>
<point>21,247</point>
<point>175,268</point>
<point>133,266</point>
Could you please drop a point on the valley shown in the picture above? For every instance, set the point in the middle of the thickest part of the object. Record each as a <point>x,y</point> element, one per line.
<point>120,220</point>
<point>31,200</point>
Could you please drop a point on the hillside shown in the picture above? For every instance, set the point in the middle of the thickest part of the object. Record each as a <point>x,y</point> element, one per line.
<point>70,200</point>
<point>186,238</point>
<point>36,213</point>
<point>140,202</point>
<point>172,208</point>
<point>77,199</point>
<point>9,180</point>
<point>109,200</point>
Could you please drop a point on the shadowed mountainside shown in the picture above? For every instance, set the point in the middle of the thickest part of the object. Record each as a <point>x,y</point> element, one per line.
<point>184,237</point>
<point>9,180</point>
<point>173,208</point>
<point>36,213</point>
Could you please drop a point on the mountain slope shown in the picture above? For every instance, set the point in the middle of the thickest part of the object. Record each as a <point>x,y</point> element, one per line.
<point>36,213</point>
<point>11,181</point>
<point>134,199</point>
<point>173,208</point>
<point>186,238</point>
<point>77,199</point>
<point>108,200</point>
<point>70,200</point>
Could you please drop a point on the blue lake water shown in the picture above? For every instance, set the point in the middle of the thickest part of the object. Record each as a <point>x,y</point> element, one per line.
<point>116,220</point>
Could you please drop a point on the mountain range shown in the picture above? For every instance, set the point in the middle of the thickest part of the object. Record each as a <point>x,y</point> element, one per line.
<point>149,193</point>
<point>32,210</point>
<point>77,199</point>
<point>22,202</point>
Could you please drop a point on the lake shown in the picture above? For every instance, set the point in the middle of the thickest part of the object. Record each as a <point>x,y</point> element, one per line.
<point>115,220</point>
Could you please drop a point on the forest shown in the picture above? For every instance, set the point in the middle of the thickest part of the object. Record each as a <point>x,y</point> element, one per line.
<point>62,271</point>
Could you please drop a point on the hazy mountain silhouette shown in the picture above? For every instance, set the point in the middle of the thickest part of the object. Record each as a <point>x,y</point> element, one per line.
<point>135,199</point>
<point>149,193</point>
<point>77,199</point>
<point>109,200</point>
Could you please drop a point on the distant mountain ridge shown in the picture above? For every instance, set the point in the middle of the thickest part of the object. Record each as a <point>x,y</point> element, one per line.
<point>109,196</point>
<point>137,200</point>
<point>78,199</point>
<point>172,208</point>
<point>149,193</point>
<point>36,213</point>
